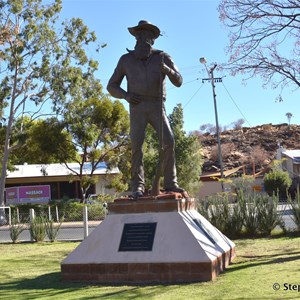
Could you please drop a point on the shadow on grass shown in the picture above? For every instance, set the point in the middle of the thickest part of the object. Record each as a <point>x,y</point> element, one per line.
<point>44,282</point>
<point>260,260</point>
<point>51,284</point>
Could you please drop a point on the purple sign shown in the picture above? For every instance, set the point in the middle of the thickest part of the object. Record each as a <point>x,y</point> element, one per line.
<point>12,195</point>
<point>28,194</point>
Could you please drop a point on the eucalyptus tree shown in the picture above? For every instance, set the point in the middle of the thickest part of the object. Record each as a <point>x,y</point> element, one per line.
<point>92,130</point>
<point>264,39</point>
<point>43,141</point>
<point>99,129</point>
<point>41,60</point>
<point>187,150</point>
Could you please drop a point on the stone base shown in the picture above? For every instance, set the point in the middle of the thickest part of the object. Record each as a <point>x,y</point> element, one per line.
<point>185,246</point>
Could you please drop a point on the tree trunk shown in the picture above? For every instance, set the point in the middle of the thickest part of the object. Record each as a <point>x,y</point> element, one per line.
<point>3,174</point>
<point>6,150</point>
<point>83,192</point>
<point>4,166</point>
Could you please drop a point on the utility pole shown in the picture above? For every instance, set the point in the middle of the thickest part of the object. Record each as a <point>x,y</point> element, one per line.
<point>213,80</point>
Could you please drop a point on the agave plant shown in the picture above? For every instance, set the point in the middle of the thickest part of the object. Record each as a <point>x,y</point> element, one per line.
<point>15,229</point>
<point>295,205</point>
<point>52,229</point>
<point>38,229</point>
<point>268,217</point>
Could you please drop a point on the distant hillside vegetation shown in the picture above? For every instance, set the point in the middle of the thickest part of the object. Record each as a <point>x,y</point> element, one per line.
<point>248,145</point>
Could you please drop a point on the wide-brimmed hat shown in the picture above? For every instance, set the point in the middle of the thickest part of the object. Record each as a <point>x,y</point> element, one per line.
<point>144,25</point>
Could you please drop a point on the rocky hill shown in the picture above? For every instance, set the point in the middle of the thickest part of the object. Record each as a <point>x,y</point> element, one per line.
<point>248,146</point>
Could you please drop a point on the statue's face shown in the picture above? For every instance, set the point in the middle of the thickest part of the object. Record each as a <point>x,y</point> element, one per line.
<point>143,47</point>
<point>146,36</point>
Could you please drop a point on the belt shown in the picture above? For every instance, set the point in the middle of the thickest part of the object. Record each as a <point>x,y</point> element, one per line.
<point>150,98</point>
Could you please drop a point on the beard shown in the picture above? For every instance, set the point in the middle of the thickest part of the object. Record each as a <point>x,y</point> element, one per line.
<point>142,50</point>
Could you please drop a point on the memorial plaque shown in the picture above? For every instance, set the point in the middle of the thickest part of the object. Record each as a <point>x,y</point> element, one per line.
<point>137,237</point>
<point>206,232</point>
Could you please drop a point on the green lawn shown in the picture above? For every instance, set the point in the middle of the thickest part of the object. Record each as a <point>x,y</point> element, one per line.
<point>32,271</point>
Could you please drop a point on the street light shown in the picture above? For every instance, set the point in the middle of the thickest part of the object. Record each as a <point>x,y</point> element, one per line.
<point>212,80</point>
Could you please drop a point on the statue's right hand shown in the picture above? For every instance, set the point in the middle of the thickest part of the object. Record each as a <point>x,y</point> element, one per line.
<point>132,99</point>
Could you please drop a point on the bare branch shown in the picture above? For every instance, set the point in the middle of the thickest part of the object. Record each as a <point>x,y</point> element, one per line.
<point>264,39</point>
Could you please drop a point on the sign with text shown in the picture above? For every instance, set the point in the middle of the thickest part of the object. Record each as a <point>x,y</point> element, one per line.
<point>137,237</point>
<point>28,194</point>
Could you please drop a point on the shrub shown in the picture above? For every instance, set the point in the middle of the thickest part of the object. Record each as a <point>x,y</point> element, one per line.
<point>242,183</point>
<point>295,208</point>
<point>38,229</point>
<point>277,182</point>
<point>227,149</point>
<point>73,211</point>
<point>238,124</point>
<point>223,214</point>
<point>260,213</point>
<point>218,211</point>
<point>256,213</point>
<point>258,155</point>
<point>96,212</point>
<point>40,209</point>
<point>249,208</point>
<point>268,217</point>
<point>15,229</point>
<point>52,229</point>
<point>235,224</point>
<point>202,208</point>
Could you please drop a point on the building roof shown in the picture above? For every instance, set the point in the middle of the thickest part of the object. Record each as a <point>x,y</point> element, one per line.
<point>49,170</point>
<point>214,175</point>
<point>293,154</point>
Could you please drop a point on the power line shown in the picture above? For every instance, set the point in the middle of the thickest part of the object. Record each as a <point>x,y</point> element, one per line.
<point>219,80</point>
<point>193,95</point>
<point>235,104</point>
<point>184,83</point>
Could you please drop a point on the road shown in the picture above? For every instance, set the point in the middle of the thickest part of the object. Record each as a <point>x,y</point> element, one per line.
<point>74,231</point>
<point>286,211</point>
<point>69,231</point>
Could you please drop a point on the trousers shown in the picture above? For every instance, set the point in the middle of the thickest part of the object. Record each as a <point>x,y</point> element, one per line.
<point>149,112</point>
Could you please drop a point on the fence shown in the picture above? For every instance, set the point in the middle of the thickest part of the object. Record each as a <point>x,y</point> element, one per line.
<point>78,224</point>
<point>74,225</point>
<point>3,218</point>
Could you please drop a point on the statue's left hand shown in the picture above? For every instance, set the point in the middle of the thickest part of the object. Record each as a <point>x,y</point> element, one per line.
<point>132,99</point>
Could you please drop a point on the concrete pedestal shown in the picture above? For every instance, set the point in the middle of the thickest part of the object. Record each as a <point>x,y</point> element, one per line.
<point>161,240</point>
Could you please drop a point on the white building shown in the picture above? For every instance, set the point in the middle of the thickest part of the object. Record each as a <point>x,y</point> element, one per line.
<point>291,161</point>
<point>62,180</point>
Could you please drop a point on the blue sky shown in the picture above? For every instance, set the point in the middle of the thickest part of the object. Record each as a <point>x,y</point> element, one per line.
<point>191,30</point>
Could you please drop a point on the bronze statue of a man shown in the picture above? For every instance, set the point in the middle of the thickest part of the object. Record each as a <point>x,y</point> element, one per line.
<point>145,69</point>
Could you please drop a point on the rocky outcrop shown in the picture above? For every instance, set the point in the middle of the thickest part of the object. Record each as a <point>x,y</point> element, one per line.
<point>248,146</point>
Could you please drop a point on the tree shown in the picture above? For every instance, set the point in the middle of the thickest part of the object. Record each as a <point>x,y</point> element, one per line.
<point>238,124</point>
<point>264,39</point>
<point>289,116</point>
<point>209,128</point>
<point>92,130</point>
<point>39,61</point>
<point>44,141</point>
<point>187,151</point>
<point>277,182</point>
<point>99,131</point>
<point>151,156</point>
